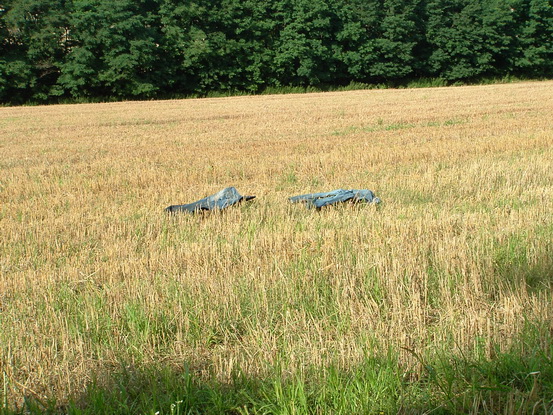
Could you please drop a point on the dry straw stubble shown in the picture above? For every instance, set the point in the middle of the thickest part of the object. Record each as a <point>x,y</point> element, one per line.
<point>93,271</point>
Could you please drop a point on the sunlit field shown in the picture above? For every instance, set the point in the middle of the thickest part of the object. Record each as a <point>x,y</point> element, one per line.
<point>438,299</point>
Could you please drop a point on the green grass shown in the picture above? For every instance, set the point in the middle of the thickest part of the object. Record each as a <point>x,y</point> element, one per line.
<point>517,381</point>
<point>511,261</point>
<point>380,126</point>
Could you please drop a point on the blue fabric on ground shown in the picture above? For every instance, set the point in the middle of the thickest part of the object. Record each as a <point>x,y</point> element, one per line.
<point>319,200</point>
<point>221,200</point>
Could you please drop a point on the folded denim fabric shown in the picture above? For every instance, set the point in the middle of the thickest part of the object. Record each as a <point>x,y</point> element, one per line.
<point>319,200</point>
<point>221,200</point>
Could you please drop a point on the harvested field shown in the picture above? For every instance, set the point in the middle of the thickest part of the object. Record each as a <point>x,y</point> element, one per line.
<point>456,263</point>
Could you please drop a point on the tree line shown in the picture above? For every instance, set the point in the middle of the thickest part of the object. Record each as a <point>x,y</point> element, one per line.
<point>52,50</point>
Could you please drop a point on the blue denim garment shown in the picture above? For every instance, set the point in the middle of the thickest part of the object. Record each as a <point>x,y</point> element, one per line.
<point>319,200</point>
<point>221,200</point>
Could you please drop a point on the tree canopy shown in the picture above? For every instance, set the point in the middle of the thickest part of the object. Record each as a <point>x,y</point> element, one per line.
<point>100,49</point>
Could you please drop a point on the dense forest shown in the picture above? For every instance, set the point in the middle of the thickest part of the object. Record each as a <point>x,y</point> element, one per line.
<point>55,50</point>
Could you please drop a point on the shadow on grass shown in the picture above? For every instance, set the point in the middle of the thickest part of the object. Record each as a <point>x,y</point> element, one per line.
<point>517,382</point>
<point>513,262</point>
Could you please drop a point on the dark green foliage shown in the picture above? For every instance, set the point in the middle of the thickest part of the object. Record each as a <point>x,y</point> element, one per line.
<point>98,49</point>
<point>468,38</point>
<point>115,50</point>
<point>305,43</point>
<point>533,37</point>
<point>378,40</point>
<point>33,46</point>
